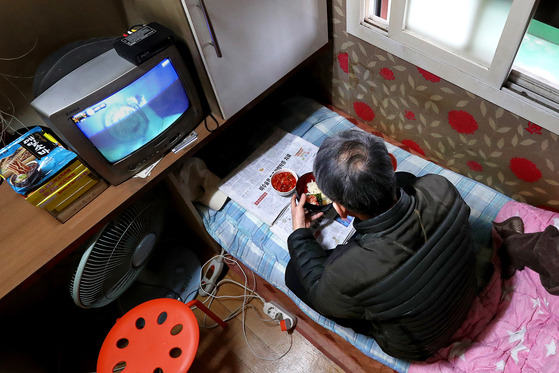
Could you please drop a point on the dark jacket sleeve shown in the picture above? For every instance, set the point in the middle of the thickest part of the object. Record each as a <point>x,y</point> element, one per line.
<point>307,257</point>
<point>310,264</point>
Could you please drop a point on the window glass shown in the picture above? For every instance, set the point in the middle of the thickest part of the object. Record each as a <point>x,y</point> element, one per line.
<point>379,8</point>
<point>539,51</point>
<point>500,53</point>
<point>469,28</point>
<point>377,13</point>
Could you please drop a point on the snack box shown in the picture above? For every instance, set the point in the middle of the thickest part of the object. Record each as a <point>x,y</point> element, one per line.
<point>31,159</point>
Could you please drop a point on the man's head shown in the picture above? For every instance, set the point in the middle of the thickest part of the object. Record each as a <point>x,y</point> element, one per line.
<point>354,170</point>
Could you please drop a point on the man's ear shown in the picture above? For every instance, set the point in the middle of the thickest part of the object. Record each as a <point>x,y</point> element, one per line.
<point>341,210</point>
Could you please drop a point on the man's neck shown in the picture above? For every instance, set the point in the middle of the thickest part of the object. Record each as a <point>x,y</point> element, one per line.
<point>363,217</point>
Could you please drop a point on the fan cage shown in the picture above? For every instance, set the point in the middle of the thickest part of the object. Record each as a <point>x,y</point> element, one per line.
<point>106,269</point>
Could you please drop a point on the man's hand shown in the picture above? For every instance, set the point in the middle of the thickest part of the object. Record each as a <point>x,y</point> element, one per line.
<point>299,216</point>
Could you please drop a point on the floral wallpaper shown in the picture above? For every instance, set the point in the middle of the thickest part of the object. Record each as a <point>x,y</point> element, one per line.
<point>447,124</point>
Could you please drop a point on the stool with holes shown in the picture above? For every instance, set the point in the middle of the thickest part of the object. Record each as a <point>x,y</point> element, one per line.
<point>160,335</point>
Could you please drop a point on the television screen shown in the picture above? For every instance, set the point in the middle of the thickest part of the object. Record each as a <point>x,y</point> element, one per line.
<point>136,114</point>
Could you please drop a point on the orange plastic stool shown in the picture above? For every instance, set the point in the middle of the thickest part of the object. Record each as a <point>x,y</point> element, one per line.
<point>160,335</point>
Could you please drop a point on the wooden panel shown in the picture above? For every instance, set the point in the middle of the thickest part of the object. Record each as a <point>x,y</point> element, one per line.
<point>190,214</point>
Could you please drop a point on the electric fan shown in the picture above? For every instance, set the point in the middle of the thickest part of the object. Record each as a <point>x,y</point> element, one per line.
<point>119,255</point>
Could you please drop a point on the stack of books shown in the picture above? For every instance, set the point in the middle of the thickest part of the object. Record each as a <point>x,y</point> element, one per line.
<point>68,191</point>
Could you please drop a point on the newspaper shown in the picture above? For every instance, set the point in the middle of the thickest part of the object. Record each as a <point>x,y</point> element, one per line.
<point>250,186</point>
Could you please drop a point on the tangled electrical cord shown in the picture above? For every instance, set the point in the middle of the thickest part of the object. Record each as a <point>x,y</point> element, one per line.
<point>248,294</point>
<point>6,118</point>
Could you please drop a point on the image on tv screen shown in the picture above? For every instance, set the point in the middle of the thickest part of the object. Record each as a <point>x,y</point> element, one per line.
<point>130,118</point>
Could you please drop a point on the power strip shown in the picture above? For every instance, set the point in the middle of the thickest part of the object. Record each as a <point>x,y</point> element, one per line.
<point>286,320</point>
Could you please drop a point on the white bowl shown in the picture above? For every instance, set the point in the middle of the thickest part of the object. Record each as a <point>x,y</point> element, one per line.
<point>289,192</point>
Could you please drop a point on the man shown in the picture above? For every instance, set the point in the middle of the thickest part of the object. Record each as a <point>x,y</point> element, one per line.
<point>410,306</point>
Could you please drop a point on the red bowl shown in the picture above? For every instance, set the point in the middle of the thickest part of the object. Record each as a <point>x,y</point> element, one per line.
<point>302,188</point>
<point>285,193</point>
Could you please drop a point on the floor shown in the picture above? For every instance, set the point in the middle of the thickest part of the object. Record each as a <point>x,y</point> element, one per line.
<point>226,350</point>
<point>54,335</point>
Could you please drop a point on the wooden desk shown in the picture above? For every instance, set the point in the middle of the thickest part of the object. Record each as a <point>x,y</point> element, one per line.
<point>32,241</point>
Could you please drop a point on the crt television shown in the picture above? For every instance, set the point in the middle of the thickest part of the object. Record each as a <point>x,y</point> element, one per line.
<point>120,117</point>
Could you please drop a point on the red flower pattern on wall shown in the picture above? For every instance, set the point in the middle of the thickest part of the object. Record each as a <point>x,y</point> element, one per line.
<point>364,111</point>
<point>343,61</point>
<point>495,134</point>
<point>413,145</point>
<point>525,169</point>
<point>534,128</point>
<point>428,76</point>
<point>462,122</point>
<point>387,74</point>
<point>474,166</point>
<point>410,115</point>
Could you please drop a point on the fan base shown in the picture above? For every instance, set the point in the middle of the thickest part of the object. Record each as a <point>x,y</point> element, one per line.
<point>174,271</point>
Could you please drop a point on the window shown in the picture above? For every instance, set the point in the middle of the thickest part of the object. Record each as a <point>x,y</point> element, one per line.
<point>535,72</point>
<point>377,13</point>
<point>487,47</point>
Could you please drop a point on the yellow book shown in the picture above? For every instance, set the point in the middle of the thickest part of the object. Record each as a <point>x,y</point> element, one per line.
<point>79,203</point>
<point>60,179</point>
<point>71,189</point>
<point>89,183</point>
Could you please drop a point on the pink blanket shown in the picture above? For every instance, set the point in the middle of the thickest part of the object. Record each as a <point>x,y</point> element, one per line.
<point>513,325</point>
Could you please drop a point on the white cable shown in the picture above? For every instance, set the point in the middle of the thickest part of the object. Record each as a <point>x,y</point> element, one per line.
<point>23,55</point>
<point>213,295</point>
<point>5,123</point>
<point>245,296</point>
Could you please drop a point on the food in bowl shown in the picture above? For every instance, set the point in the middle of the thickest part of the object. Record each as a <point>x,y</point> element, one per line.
<point>284,181</point>
<point>315,195</point>
<point>303,188</point>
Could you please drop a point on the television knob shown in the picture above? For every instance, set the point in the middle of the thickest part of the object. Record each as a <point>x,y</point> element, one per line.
<point>132,167</point>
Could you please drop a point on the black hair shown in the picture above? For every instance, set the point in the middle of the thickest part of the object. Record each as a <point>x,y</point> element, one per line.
<point>354,169</point>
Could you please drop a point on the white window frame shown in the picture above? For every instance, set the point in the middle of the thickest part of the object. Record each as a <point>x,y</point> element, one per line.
<point>488,83</point>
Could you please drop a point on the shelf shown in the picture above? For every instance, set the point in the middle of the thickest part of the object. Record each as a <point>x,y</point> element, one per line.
<point>32,241</point>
